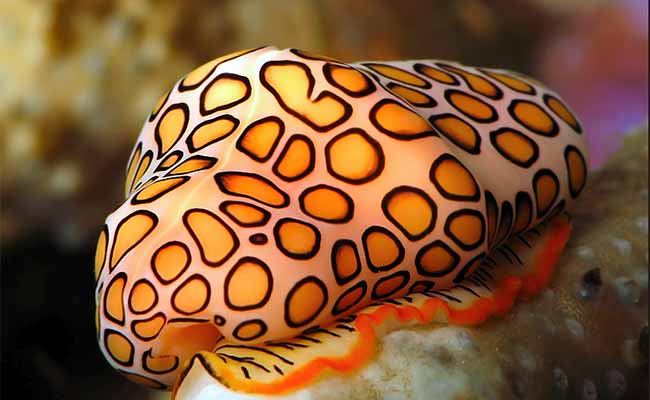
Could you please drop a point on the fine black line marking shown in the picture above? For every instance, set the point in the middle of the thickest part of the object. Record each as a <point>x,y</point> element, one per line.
<point>504,254</point>
<point>513,253</point>
<point>486,273</point>
<point>246,360</point>
<point>446,296</point>
<point>316,329</point>
<point>479,275</point>
<point>345,327</point>
<point>188,320</point>
<point>489,266</point>
<point>262,350</point>
<point>479,282</point>
<point>524,241</point>
<point>287,345</point>
<point>469,290</point>
<point>307,338</point>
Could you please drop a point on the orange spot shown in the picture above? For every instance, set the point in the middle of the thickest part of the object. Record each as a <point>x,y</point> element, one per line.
<point>411,210</point>
<point>169,160</point>
<point>577,170</point>
<point>421,286</point>
<point>515,146</point>
<point>292,83</point>
<point>114,301</point>
<point>345,261</point>
<point>191,296</point>
<point>130,172</point>
<point>326,203</point>
<point>250,330</point>
<point>458,132</point>
<point>216,240</point>
<point>382,250</point>
<point>100,252</point>
<point>305,301</point>
<point>260,138</point>
<point>118,347</point>
<point>245,214</point>
<point>546,190</point>
<point>354,157</point>
<point>142,168</point>
<point>211,131</point>
<point>130,232</point>
<point>194,164</point>
<point>349,299</point>
<point>436,74</point>
<point>524,212</point>
<point>225,91</point>
<point>349,80</point>
<point>248,285</point>
<point>413,96</point>
<point>398,121</point>
<point>476,82</point>
<point>562,111</point>
<point>390,285</point>
<point>533,117</point>
<point>398,74</point>
<point>158,189</point>
<point>170,261</point>
<point>296,239</point>
<point>171,126</point>
<point>296,160</point>
<point>511,82</point>
<point>471,106</point>
<point>436,259</point>
<point>466,228</point>
<point>143,297</point>
<point>252,186</point>
<point>149,328</point>
<point>453,180</point>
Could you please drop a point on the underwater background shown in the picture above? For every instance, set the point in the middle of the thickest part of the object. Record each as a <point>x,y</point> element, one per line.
<point>79,77</point>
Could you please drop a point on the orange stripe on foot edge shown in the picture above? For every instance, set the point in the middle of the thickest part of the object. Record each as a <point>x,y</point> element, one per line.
<point>548,258</point>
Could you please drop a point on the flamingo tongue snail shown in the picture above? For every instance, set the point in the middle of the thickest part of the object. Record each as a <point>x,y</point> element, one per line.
<point>283,210</point>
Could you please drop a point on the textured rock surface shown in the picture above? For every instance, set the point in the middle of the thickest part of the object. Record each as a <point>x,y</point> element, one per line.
<point>585,337</point>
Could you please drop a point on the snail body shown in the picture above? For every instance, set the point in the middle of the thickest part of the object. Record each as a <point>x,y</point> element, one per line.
<point>273,192</point>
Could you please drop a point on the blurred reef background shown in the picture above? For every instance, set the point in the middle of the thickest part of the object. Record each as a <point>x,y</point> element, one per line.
<point>79,77</point>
